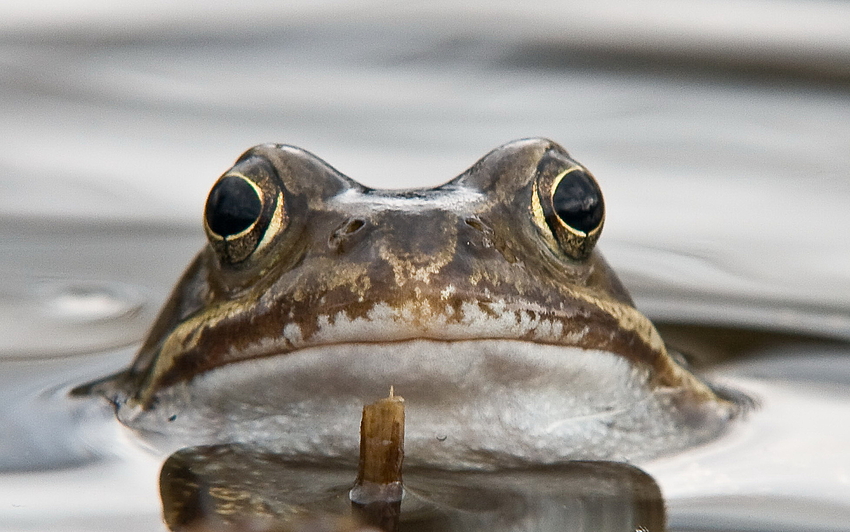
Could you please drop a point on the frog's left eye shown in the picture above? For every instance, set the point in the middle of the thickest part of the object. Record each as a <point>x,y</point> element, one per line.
<point>240,209</point>
<point>571,204</point>
<point>577,201</point>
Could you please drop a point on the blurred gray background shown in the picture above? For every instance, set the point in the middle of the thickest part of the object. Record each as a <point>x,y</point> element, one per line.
<point>719,130</point>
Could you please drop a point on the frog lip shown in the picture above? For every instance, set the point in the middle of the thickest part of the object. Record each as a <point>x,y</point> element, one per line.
<point>471,321</point>
<point>194,348</point>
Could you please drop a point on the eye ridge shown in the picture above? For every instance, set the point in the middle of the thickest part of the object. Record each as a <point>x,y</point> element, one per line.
<point>577,200</point>
<point>234,206</point>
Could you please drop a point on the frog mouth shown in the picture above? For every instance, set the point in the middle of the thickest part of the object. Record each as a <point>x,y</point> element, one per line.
<point>469,403</point>
<point>197,346</point>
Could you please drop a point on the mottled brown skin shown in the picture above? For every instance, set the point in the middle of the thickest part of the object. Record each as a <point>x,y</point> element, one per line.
<point>342,248</point>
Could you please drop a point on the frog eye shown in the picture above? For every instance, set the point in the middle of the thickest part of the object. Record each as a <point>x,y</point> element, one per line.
<point>234,205</point>
<point>577,201</point>
<point>571,204</point>
<point>241,206</point>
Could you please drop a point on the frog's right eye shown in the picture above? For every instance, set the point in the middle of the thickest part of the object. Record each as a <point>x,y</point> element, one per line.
<point>234,205</point>
<point>240,208</point>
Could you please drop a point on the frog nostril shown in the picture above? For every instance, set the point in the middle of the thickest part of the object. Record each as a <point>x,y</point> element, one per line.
<point>476,224</point>
<point>481,227</point>
<point>353,226</point>
<point>343,232</point>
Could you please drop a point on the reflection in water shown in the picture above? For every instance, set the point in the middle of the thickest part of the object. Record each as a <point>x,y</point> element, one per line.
<point>225,487</point>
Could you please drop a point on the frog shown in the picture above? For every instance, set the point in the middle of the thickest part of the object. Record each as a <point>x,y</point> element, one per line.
<point>484,302</point>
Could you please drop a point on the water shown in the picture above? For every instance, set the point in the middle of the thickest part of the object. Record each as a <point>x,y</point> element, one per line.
<point>720,137</point>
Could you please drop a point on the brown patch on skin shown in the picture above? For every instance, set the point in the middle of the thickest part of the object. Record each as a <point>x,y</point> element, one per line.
<point>455,307</point>
<point>485,308</point>
<point>411,261</point>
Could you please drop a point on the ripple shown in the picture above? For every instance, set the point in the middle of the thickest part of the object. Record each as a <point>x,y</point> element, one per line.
<point>86,301</point>
<point>46,318</point>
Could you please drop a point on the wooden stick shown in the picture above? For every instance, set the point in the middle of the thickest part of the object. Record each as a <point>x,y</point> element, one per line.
<point>377,494</point>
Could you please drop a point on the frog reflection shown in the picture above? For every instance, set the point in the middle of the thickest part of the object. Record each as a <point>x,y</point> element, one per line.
<point>235,488</point>
<point>482,300</point>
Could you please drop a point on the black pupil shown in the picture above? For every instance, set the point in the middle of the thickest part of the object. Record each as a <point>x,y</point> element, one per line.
<point>578,202</point>
<point>232,207</point>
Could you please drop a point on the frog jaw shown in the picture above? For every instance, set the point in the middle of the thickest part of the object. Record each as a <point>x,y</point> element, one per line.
<point>472,403</point>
